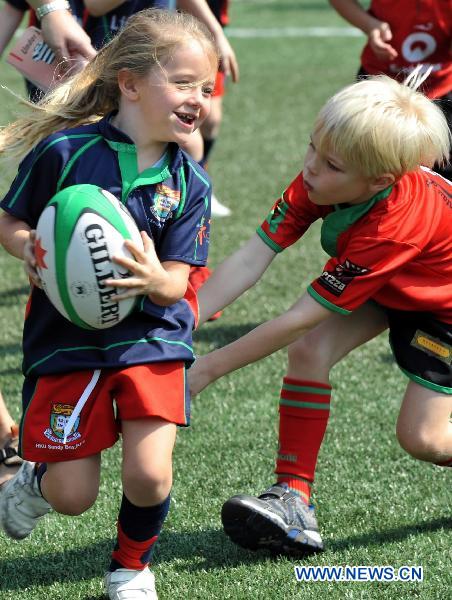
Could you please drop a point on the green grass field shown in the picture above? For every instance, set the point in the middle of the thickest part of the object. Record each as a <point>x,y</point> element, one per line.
<point>376,505</point>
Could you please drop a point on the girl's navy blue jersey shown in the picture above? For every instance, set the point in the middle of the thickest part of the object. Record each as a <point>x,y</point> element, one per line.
<point>102,29</point>
<point>170,202</point>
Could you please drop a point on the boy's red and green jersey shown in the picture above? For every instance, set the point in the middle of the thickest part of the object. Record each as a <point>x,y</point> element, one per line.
<point>395,249</point>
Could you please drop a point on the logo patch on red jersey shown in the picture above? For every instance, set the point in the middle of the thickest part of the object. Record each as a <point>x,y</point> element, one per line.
<point>336,281</point>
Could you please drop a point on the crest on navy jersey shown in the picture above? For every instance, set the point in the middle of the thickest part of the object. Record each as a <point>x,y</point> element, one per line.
<point>166,202</point>
<point>59,416</point>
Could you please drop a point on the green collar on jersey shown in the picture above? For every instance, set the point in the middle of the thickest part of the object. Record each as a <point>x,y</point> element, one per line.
<point>128,165</point>
<point>344,217</point>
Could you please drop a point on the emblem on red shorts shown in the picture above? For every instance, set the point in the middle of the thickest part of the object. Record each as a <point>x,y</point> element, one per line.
<point>59,416</point>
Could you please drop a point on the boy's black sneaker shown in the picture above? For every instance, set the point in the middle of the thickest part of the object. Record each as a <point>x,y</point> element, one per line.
<point>278,520</point>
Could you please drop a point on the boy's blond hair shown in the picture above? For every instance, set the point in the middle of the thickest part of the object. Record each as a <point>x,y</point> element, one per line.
<point>147,40</point>
<point>378,126</point>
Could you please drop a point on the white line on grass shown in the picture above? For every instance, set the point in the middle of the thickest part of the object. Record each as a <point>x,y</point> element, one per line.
<point>276,32</point>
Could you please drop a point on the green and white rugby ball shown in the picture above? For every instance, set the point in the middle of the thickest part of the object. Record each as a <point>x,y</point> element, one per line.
<point>77,234</point>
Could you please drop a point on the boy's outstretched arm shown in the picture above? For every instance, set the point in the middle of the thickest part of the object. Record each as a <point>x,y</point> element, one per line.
<point>234,276</point>
<point>269,337</point>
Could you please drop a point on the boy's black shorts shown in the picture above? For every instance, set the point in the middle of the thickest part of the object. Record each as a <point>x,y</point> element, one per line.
<point>422,347</point>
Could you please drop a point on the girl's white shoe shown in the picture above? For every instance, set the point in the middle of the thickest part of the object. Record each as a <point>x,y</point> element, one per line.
<point>128,584</point>
<point>21,503</point>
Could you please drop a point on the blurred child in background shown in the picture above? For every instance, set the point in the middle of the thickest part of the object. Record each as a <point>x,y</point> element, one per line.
<point>403,35</point>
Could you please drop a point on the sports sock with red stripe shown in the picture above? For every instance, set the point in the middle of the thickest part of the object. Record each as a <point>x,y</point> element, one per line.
<point>138,530</point>
<point>304,409</point>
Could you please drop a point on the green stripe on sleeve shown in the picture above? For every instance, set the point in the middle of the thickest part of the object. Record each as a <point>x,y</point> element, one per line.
<point>44,150</point>
<point>343,311</point>
<point>183,193</point>
<point>198,174</point>
<point>270,243</point>
<point>277,216</point>
<point>73,158</point>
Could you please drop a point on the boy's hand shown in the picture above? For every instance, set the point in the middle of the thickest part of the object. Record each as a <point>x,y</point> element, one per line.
<point>378,39</point>
<point>30,260</point>
<point>198,376</point>
<point>147,274</point>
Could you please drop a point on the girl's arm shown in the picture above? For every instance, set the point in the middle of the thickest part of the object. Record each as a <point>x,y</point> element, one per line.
<point>378,32</point>
<point>234,276</point>
<point>10,19</point>
<point>97,8</point>
<point>18,239</point>
<point>201,10</point>
<point>165,283</point>
<point>14,234</point>
<point>269,337</point>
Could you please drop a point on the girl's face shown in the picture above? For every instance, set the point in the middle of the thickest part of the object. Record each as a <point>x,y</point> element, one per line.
<point>329,181</point>
<point>175,100</point>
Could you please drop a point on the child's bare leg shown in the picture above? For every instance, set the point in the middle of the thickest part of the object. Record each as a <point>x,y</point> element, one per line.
<point>147,479</point>
<point>147,460</point>
<point>6,422</point>
<point>424,429</point>
<point>313,355</point>
<point>211,126</point>
<point>71,487</point>
<point>10,461</point>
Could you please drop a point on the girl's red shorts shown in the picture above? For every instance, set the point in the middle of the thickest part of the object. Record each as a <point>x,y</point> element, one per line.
<point>142,391</point>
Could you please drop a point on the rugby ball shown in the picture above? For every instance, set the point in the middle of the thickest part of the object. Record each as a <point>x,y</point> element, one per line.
<point>78,232</point>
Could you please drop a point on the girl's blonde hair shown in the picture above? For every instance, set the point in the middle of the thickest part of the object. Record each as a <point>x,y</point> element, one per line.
<point>378,126</point>
<point>148,39</point>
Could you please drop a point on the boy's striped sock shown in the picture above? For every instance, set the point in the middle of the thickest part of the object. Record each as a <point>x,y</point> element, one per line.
<point>304,409</point>
<point>138,530</point>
